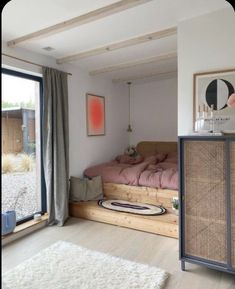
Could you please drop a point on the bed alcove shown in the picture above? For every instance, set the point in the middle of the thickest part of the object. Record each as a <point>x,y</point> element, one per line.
<point>166,224</point>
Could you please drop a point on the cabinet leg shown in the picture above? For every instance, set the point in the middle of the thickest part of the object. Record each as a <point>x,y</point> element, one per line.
<point>182,265</point>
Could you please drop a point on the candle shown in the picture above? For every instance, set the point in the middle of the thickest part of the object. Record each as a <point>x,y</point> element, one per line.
<point>37,217</point>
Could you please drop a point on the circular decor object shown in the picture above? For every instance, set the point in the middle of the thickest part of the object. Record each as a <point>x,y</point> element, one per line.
<point>132,207</point>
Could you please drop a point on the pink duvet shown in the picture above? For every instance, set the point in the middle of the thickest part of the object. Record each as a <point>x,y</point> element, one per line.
<point>149,172</point>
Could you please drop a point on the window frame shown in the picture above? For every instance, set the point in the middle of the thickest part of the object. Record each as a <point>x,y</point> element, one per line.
<point>43,184</point>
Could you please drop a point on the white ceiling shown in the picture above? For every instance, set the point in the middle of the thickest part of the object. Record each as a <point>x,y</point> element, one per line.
<point>21,17</point>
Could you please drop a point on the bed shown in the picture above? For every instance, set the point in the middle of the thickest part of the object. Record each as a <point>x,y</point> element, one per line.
<point>155,167</point>
<point>149,185</point>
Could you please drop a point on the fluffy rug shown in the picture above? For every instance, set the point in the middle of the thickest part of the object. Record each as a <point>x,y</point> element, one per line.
<point>64,265</point>
<point>132,207</point>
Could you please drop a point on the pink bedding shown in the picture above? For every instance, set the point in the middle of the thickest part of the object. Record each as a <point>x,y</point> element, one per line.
<point>159,171</point>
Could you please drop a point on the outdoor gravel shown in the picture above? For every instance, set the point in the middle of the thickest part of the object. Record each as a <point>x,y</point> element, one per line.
<point>23,187</point>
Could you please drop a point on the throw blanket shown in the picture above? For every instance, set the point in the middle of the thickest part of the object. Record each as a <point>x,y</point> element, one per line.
<point>158,171</point>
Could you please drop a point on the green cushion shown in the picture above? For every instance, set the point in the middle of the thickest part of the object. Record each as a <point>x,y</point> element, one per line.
<point>85,189</point>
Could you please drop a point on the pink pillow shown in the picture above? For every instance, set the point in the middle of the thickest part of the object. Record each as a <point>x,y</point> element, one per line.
<point>157,158</point>
<point>125,159</point>
<point>172,157</point>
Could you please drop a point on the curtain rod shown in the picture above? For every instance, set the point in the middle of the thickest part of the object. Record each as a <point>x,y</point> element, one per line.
<point>27,61</point>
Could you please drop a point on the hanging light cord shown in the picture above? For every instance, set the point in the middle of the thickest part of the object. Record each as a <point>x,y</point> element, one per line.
<point>129,126</point>
<point>129,84</point>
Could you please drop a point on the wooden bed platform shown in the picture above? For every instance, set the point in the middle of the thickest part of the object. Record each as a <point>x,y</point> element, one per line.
<point>166,224</point>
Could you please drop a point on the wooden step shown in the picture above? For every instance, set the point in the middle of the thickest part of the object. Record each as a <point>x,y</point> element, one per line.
<point>140,194</point>
<point>166,224</point>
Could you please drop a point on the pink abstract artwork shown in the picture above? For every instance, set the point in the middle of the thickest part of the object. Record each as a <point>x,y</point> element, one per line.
<point>95,115</point>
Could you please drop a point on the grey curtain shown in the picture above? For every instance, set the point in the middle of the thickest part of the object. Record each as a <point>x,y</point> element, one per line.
<point>55,144</point>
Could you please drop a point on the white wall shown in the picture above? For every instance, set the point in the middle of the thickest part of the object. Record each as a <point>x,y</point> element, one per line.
<point>205,43</point>
<point>154,111</point>
<point>84,151</point>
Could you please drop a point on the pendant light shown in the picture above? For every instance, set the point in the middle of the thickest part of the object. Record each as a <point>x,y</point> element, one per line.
<point>129,129</point>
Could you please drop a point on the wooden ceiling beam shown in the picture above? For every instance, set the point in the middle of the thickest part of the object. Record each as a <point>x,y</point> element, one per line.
<point>130,64</point>
<point>119,45</point>
<point>79,20</point>
<point>145,76</point>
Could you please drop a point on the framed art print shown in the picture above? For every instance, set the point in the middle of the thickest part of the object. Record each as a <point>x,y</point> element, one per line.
<point>212,90</point>
<point>95,110</point>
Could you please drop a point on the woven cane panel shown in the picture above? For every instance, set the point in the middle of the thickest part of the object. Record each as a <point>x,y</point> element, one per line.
<point>232,177</point>
<point>205,212</point>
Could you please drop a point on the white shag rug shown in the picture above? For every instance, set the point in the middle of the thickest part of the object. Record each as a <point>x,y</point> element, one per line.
<point>65,265</point>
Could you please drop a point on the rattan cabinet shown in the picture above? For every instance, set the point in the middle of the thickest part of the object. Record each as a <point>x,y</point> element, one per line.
<point>207,201</point>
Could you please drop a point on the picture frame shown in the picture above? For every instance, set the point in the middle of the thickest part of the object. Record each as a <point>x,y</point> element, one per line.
<point>213,88</point>
<point>95,114</point>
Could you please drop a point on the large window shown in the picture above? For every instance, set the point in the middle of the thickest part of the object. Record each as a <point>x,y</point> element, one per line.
<point>23,187</point>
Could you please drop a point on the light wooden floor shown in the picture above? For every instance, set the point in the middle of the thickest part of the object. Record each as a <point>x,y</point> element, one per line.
<point>129,244</point>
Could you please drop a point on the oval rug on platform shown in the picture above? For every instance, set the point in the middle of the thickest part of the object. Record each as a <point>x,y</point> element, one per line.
<point>132,207</point>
